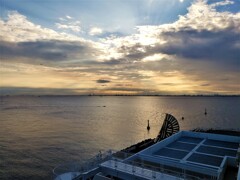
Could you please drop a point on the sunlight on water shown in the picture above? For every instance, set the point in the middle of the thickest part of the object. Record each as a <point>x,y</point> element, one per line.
<point>38,133</point>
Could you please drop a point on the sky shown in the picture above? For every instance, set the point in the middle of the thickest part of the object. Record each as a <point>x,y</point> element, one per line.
<point>134,47</point>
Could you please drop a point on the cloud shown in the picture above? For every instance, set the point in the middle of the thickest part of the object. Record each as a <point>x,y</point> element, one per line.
<point>74,26</point>
<point>198,53</point>
<point>103,81</point>
<point>154,57</point>
<point>215,37</point>
<point>204,45</point>
<point>22,39</point>
<point>68,17</point>
<point>222,3</point>
<point>17,28</point>
<point>68,23</point>
<point>201,46</point>
<point>95,31</point>
<point>48,50</point>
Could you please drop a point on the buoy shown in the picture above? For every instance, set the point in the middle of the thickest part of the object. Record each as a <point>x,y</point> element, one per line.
<point>148,126</point>
<point>205,112</point>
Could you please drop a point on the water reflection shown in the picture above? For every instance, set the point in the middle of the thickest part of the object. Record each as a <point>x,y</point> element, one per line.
<point>38,133</point>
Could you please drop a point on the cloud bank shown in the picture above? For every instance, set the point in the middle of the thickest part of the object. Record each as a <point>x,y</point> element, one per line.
<point>198,53</point>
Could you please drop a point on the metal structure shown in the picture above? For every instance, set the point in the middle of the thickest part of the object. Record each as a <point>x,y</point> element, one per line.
<point>184,156</point>
<point>170,126</point>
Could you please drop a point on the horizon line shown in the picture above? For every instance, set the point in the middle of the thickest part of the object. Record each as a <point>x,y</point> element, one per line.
<point>206,95</point>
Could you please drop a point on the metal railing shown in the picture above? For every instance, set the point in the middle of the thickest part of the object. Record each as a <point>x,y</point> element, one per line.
<point>119,161</point>
<point>77,168</point>
<point>143,169</point>
<point>175,164</point>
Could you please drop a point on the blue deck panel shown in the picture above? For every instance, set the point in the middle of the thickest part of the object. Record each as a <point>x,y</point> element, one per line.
<point>205,159</point>
<point>184,155</point>
<point>171,153</point>
<point>190,139</point>
<point>217,151</point>
<point>201,153</point>
<point>222,144</point>
<point>182,146</point>
<point>203,165</point>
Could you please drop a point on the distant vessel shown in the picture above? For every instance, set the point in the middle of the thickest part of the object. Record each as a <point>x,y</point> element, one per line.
<point>171,155</point>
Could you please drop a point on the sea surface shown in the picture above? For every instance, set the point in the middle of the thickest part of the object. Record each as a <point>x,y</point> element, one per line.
<point>39,133</point>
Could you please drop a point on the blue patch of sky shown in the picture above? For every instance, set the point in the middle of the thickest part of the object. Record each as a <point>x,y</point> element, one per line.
<point>233,8</point>
<point>163,11</point>
<point>114,15</point>
<point>118,17</point>
<point>37,12</point>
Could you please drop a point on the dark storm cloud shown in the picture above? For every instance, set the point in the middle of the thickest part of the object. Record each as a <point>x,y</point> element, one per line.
<point>51,50</point>
<point>134,52</point>
<point>203,45</point>
<point>222,46</point>
<point>113,62</point>
<point>103,81</point>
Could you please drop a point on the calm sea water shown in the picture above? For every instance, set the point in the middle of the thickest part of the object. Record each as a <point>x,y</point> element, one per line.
<point>38,133</point>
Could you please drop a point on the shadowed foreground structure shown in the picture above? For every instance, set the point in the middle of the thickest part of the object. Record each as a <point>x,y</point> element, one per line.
<point>185,155</point>
<point>171,155</point>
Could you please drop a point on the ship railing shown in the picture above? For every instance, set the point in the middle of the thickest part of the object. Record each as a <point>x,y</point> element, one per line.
<point>141,169</point>
<point>78,168</point>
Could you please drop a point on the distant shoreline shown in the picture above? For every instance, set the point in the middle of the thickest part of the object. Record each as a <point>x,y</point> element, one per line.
<point>102,95</point>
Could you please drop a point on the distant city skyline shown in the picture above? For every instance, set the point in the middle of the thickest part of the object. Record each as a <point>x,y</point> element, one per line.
<point>137,47</point>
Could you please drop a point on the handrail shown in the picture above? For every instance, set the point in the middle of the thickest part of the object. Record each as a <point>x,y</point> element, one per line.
<point>154,169</point>
<point>79,168</point>
<point>177,164</point>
